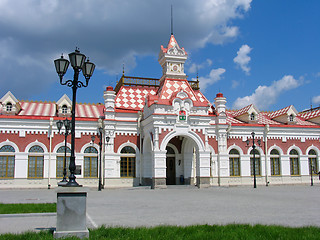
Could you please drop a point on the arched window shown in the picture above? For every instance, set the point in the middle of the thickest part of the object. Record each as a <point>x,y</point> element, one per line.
<point>35,162</point>
<point>294,163</point>
<point>252,117</point>
<point>313,163</point>
<point>7,161</point>
<point>9,107</point>
<point>275,162</point>
<point>291,118</point>
<point>60,161</point>
<point>64,109</point>
<point>128,162</point>
<point>91,162</point>
<point>234,162</point>
<point>257,162</point>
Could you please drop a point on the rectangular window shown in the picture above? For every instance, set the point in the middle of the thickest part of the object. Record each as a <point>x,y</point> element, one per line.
<point>294,166</point>
<point>91,167</point>
<point>234,164</point>
<point>275,166</point>
<point>127,166</point>
<point>257,168</point>
<point>313,164</point>
<point>35,167</point>
<point>60,162</point>
<point>6,166</point>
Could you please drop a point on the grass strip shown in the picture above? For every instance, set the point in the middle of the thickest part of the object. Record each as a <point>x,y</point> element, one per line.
<point>27,208</point>
<point>203,232</point>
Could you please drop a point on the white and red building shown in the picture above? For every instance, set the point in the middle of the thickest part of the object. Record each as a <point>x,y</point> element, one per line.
<point>160,132</point>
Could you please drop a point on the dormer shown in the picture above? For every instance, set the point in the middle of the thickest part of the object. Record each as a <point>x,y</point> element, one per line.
<point>248,114</point>
<point>64,106</point>
<point>172,60</point>
<point>10,105</point>
<point>285,115</point>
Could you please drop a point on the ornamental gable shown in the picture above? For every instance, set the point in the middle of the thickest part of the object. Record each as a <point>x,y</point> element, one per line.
<point>10,105</point>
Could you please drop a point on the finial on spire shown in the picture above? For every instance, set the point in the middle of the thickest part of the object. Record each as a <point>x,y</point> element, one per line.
<point>171,20</point>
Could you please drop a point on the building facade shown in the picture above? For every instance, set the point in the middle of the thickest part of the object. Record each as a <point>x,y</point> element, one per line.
<point>158,132</point>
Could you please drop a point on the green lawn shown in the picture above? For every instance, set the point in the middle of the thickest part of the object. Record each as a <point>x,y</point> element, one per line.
<point>27,208</point>
<point>201,232</point>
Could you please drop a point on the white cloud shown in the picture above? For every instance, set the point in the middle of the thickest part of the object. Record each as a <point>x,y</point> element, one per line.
<point>235,84</point>
<point>36,32</point>
<point>213,77</point>
<point>265,96</point>
<point>196,67</point>
<point>316,100</point>
<point>242,59</point>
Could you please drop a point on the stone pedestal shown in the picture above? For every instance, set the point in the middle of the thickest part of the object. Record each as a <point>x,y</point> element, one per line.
<point>71,212</point>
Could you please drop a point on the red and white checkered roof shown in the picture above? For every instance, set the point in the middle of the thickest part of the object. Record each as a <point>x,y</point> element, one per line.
<point>37,109</point>
<point>50,110</point>
<point>280,112</point>
<point>264,118</point>
<point>133,98</point>
<point>310,114</point>
<point>89,110</point>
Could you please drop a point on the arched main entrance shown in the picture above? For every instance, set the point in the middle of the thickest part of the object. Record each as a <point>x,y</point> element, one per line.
<point>182,154</point>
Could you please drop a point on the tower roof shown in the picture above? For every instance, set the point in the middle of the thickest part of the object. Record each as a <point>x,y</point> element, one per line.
<point>172,43</point>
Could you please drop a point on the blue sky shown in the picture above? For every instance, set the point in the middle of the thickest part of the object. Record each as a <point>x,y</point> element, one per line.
<point>265,52</point>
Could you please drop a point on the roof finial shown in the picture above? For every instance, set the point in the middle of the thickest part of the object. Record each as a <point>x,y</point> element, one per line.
<point>171,20</point>
<point>197,74</point>
<point>123,69</point>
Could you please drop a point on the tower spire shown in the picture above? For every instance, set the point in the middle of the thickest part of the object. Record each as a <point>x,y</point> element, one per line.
<point>171,20</point>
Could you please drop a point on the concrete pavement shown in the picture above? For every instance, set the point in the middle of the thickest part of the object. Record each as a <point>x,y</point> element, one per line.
<point>178,205</point>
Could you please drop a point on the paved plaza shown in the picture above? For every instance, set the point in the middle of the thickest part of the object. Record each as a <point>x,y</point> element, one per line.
<point>178,205</point>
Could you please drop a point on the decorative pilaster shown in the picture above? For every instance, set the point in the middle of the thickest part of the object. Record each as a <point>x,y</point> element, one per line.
<point>159,169</point>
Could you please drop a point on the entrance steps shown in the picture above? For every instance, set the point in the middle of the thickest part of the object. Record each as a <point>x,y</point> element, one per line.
<point>181,187</point>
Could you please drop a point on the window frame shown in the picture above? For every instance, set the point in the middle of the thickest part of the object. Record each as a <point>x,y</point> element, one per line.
<point>294,163</point>
<point>234,160</point>
<point>314,159</point>
<point>36,154</point>
<point>90,157</point>
<point>129,158</point>
<point>275,160</point>
<point>7,155</point>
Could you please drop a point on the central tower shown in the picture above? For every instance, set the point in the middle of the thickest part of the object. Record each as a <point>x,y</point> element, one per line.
<point>172,60</point>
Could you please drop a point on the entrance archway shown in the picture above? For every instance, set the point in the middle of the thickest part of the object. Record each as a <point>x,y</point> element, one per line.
<point>182,155</point>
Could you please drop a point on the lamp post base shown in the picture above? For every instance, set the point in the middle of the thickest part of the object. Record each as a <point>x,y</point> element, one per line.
<point>62,183</point>
<point>71,213</point>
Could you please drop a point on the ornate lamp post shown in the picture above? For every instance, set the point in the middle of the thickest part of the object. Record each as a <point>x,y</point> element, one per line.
<point>78,63</point>
<point>67,125</point>
<point>254,158</point>
<point>100,129</point>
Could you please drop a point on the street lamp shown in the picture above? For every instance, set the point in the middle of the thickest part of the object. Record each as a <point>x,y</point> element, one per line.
<point>100,149</point>
<point>254,158</point>
<point>78,63</point>
<point>100,129</point>
<point>67,125</point>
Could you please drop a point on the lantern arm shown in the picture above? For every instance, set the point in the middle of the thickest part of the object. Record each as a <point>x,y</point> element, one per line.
<point>69,83</point>
<point>81,84</point>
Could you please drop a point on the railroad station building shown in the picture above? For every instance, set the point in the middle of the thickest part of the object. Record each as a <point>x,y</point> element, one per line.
<point>157,132</point>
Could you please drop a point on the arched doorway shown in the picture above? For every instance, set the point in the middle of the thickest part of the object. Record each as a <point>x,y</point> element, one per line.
<point>182,156</point>
<point>171,166</point>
